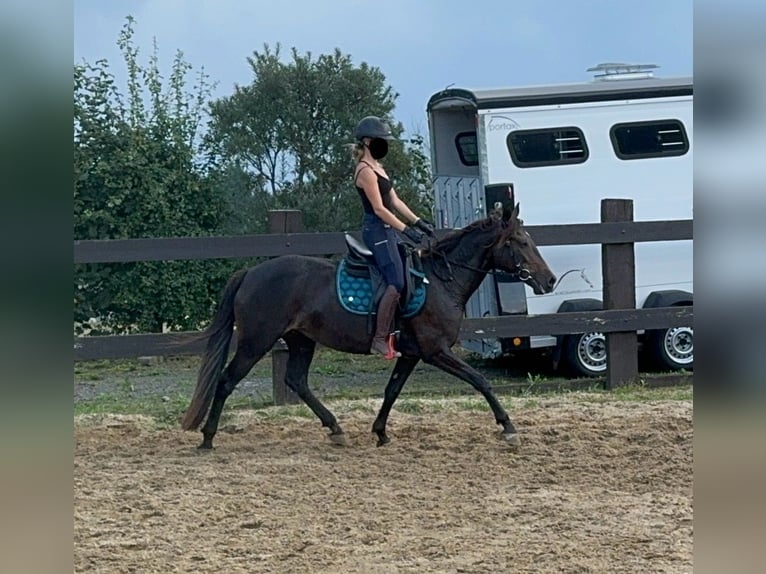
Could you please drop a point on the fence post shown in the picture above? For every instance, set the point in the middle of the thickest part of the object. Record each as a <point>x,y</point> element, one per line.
<point>619,273</point>
<point>283,221</point>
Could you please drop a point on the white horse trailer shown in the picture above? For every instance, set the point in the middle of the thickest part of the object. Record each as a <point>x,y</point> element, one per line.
<point>558,150</point>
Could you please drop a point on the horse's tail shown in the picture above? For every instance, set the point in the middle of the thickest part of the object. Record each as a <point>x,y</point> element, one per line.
<point>217,349</point>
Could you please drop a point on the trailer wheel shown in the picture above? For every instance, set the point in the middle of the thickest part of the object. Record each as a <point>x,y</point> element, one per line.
<point>672,349</point>
<point>585,354</point>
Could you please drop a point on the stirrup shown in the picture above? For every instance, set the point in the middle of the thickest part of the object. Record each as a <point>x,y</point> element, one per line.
<point>391,352</point>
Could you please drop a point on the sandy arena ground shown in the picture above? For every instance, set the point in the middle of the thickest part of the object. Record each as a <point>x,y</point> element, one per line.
<point>595,487</point>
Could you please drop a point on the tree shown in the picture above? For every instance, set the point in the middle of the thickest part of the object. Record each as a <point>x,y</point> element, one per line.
<point>287,135</point>
<point>139,172</point>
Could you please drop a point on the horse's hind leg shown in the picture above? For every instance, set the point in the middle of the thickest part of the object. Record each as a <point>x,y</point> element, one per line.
<point>402,370</point>
<point>247,354</point>
<point>300,354</point>
<point>450,363</point>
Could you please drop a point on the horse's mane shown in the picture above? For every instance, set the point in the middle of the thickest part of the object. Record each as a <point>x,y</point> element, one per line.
<point>452,240</point>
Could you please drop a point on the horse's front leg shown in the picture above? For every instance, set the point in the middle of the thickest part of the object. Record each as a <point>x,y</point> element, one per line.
<point>450,363</point>
<point>402,370</point>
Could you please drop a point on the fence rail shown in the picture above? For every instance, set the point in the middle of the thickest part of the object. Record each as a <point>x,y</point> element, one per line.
<point>273,245</point>
<point>606,321</point>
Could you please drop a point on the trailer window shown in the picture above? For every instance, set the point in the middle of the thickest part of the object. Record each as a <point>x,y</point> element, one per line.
<point>649,139</point>
<point>466,148</point>
<point>553,146</point>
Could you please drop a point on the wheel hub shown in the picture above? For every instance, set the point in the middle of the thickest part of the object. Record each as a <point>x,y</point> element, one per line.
<point>592,351</point>
<point>679,344</point>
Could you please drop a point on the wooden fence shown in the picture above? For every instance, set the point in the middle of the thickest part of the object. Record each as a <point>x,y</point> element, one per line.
<point>619,319</point>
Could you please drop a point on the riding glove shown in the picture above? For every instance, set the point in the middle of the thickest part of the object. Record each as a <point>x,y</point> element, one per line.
<point>413,234</point>
<point>425,227</point>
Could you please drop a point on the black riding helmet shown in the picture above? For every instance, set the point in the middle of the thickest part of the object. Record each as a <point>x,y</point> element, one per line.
<point>373,127</point>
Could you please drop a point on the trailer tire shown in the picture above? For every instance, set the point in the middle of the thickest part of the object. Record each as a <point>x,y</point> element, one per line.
<point>672,349</point>
<point>581,354</point>
<point>585,354</point>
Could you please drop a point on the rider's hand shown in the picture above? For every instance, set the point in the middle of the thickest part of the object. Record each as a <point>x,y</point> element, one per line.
<point>413,234</point>
<point>425,227</point>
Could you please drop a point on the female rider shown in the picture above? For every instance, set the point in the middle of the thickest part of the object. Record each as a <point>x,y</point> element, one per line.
<point>379,201</point>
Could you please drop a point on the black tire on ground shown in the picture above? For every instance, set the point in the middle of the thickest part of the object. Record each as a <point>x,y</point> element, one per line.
<point>584,355</point>
<point>671,349</point>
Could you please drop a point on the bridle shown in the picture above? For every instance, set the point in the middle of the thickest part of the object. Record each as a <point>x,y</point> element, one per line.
<point>519,270</point>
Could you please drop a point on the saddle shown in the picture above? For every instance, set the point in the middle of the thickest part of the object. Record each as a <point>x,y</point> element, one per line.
<point>360,284</point>
<point>359,258</point>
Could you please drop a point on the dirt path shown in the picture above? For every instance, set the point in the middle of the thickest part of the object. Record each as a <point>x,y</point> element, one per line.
<point>596,487</point>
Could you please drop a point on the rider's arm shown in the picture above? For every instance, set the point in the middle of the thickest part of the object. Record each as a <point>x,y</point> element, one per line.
<point>402,207</point>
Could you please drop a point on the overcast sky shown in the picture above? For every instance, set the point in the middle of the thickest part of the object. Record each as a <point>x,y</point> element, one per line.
<point>420,45</point>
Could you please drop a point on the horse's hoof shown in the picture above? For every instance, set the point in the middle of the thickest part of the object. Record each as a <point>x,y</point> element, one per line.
<point>338,439</point>
<point>512,439</point>
<point>383,440</point>
<point>205,446</point>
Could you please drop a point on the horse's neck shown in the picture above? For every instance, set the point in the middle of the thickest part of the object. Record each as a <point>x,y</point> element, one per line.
<point>470,279</point>
<point>465,281</point>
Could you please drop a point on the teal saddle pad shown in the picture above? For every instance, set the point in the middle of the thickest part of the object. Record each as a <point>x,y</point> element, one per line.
<point>355,293</point>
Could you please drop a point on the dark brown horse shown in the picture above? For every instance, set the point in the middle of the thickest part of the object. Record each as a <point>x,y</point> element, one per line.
<point>294,298</point>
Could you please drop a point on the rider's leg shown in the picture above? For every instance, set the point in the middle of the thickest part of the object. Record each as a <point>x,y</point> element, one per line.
<point>390,264</point>
<point>386,310</point>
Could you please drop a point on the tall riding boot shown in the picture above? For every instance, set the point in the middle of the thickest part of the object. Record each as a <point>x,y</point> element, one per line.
<point>382,342</point>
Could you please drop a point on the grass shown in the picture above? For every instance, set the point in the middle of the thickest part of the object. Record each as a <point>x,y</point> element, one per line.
<point>641,392</point>
<point>161,388</point>
<point>164,412</point>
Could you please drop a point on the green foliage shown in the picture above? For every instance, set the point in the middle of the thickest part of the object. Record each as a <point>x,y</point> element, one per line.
<point>137,173</point>
<point>285,136</point>
<point>136,170</point>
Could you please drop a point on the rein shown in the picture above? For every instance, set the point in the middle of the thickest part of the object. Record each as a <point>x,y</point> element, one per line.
<point>520,271</point>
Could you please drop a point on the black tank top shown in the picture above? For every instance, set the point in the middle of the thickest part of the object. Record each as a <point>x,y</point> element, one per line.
<point>385,188</point>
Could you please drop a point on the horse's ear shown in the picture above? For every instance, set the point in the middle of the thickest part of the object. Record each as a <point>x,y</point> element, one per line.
<point>509,215</point>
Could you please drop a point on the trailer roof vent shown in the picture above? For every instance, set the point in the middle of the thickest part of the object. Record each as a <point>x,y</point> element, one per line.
<point>611,71</point>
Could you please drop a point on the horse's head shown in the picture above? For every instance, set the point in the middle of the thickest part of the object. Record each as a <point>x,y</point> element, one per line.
<point>516,252</point>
